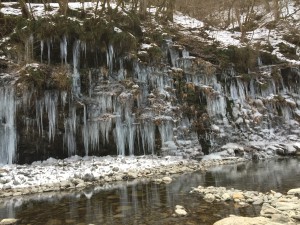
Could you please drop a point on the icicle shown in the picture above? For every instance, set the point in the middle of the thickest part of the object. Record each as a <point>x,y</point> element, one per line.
<point>259,61</point>
<point>174,56</point>
<point>147,131</point>
<point>76,65</point>
<point>51,100</point>
<point>121,72</point>
<point>70,131</point>
<point>166,132</point>
<point>29,48</point>
<point>49,50</point>
<point>131,132</point>
<point>120,132</point>
<point>63,96</point>
<point>42,50</point>
<point>185,53</point>
<point>105,128</point>
<point>8,135</point>
<point>49,104</point>
<point>63,50</point>
<point>110,59</point>
<point>85,132</point>
<point>90,83</point>
<point>39,109</point>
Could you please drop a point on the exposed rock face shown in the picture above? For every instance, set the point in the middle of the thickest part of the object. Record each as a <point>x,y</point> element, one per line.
<point>182,105</point>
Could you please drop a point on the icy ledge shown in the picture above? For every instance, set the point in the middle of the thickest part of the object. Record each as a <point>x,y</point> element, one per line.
<point>77,172</point>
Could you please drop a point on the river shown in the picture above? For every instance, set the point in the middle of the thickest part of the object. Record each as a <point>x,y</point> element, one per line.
<point>143,202</point>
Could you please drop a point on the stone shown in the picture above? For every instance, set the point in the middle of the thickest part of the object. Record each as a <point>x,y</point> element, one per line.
<point>8,221</point>
<point>209,197</point>
<point>296,217</point>
<point>167,180</point>
<point>258,202</point>
<point>267,210</point>
<point>80,185</point>
<point>88,177</point>
<point>288,207</point>
<point>277,195</point>
<point>115,169</point>
<point>280,218</point>
<point>294,191</point>
<point>226,197</point>
<point>180,210</point>
<point>238,195</point>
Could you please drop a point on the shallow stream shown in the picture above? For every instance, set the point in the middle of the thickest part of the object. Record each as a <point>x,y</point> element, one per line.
<point>144,202</point>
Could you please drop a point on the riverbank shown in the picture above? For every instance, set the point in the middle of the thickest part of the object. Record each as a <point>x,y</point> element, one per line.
<point>77,172</point>
<point>277,208</point>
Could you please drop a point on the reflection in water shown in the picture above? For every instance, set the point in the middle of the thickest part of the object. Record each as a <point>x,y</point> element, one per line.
<point>145,202</point>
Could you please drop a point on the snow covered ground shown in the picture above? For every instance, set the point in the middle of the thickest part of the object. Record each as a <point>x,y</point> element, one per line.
<point>77,172</point>
<point>260,36</point>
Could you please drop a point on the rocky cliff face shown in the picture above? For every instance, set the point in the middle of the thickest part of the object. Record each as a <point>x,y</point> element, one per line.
<point>78,98</point>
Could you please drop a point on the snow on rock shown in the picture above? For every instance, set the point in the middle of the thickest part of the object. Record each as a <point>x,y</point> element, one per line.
<point>187,21</point>
<point>180,210</point>
<point>79,172</point>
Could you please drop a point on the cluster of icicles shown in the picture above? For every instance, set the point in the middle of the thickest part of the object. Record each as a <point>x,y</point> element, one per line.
<point>110,113</point>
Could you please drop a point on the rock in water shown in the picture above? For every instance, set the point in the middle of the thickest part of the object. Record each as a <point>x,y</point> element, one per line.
<point>180,210</point>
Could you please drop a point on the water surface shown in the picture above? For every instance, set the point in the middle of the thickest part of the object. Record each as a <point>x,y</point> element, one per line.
<point>144,202</point>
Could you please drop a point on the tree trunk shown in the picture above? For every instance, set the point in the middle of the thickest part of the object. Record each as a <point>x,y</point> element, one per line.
<point>63,6</point>
<point>276,10</point>
<point>25,11</point>
<point>170,9</point>
<point>143,6</point>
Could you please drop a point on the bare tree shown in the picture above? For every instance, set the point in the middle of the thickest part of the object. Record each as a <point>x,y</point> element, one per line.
<point>24,9</point>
